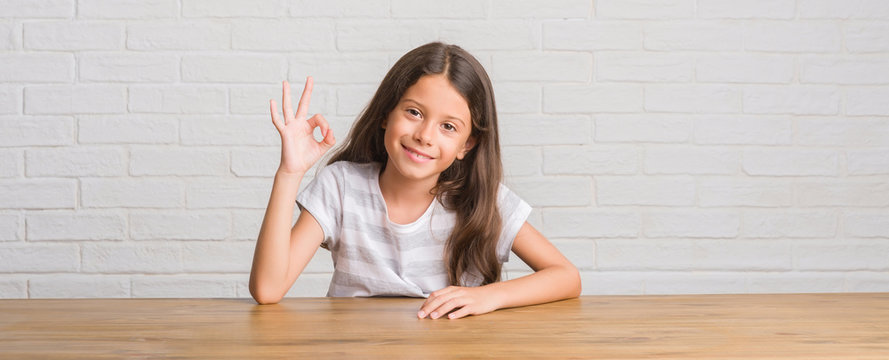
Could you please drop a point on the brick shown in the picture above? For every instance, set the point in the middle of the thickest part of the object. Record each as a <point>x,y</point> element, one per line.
<point>188,35</point>
<point>733,192</point>
<point>313,35</point>
<point>590,223</point>
<point>128,129</point>
<point>667,254</point>
<point>10,36</point>
<point>12,164</point>
<point>589,35</point>
<point>13,289</point>
<point>39,258</point>
<point>590,160</point>
<point>252,99</point>
<point>782,224</point>
<point>544,130</point>
<point>131,192</point>
<point>790,162</point>
<point>226,193</point>
<point>737,130</point>
<point>217,256</point>
<point>842,192</point>
<point>11,99</point>
<point>796,100</point>
<point>12,227</point>
<point>191,225</point>
<point>554,191</point>
<point>233,68</point>
<point>491,35</point>
<point>612,283</point>
<point>37,8</point>
<point>202,99</point>
<point>793,37</point>
<point>79,286</point>
<point>239,130</point>
<point>866,224</point>
<point>129,67</point>
<point>744,68</point>
<point>38,193</point>
<point>696,160</point>
<point>841,255</point>
<point>339,8</point>
<point>233,8</point>
<point>645,9</point>
<point>383,35</point>
<point>559,9</point>
<point>518,98</point>
<point>867,100</point>
<point>73,36</point>
<point>692,98</point>
<point>255,161</point>
<point>650,190</point>
<point>132,258</point>
<point>75,162</point>
<point>521,161</point>
<point>694,35</point>
<point>563,67</point>
<point>646,67</point>
<point>840,9</point>
<point>866,37</point>
<point>866,281</point>
<point>459,9</point>
<point>75,99</point>
<point>34,67</point>
<point>691,224</point>
<point>351,100</point>
<point>337,69</point>
<point>843,70</point>
<point>76,226</point>
<point>598,98</point>
<point>867,162</point>
<point>178,161</point>
<point>795,282</point>
<point>179,286</point>
<point>754,10</point>
<point>681,282</point>
<point>128,9</point>
<point>850,132</point>
<point>642,128</point>
<point>36,130</point>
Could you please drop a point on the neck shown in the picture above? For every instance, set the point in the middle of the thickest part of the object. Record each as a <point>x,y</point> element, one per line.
<point>398,190</point>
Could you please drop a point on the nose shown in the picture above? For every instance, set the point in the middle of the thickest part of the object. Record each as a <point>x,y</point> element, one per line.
<point>424,132</point>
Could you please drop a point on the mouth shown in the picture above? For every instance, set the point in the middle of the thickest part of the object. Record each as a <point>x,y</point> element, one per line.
<point>416,155</point>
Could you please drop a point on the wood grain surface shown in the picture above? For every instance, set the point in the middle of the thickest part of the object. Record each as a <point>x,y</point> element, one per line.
<point>761,326</point>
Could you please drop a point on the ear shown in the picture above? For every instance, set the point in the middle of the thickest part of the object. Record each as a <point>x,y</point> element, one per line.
<point>470,143</point>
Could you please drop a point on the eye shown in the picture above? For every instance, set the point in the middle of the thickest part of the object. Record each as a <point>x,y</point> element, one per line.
<point>449,127</point>
<point>413,112</point>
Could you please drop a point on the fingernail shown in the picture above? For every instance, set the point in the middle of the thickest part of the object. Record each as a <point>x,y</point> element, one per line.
<point>421,314</point>
<point>434,315</point>
<point>452,316</point>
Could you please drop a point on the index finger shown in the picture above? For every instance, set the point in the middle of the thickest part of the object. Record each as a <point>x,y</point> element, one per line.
<point>303,108</point>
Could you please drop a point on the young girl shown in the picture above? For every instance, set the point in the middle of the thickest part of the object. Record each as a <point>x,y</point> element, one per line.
<point>411,204</point>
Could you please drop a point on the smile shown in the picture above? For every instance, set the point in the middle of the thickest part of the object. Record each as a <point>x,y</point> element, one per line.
<point>415,155</point>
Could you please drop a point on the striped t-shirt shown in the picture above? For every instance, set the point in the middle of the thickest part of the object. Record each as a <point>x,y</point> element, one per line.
<point>374,256</point>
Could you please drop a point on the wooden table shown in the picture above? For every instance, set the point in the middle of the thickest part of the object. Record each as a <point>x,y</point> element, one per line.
<point>800,326</point>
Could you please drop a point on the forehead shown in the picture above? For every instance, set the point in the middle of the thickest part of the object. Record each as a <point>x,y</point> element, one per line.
<point>436,93</point>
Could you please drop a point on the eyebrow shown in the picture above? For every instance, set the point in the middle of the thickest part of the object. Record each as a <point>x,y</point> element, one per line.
<point>447,116</point>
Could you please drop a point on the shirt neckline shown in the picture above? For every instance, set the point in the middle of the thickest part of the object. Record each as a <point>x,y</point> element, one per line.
<point>401,228</point>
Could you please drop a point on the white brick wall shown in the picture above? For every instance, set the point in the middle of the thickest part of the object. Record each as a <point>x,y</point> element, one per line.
<point>667,146</point>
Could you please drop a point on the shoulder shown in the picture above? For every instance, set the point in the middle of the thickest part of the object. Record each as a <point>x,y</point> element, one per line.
<point>348,168</point>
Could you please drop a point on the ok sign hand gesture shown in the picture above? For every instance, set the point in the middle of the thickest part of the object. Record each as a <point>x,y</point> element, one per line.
<point>299,149</point>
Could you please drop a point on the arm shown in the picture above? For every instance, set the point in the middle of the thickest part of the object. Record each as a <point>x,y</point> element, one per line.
<point>554,278</point>
<point>280,257</point>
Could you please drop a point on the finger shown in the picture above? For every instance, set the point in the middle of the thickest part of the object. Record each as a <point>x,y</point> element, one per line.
<point>285,100</point>
<point>462,312</point>
<point>303,107</point>
<point>273,110</point>
<point>435,300</point>
<point>446,307</point>
<point>319,121</point>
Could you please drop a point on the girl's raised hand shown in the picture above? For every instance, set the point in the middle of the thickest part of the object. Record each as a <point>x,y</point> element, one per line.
<point>299,149</point>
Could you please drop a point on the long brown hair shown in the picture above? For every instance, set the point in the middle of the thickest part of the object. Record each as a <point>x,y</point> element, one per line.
<point>468,186</point>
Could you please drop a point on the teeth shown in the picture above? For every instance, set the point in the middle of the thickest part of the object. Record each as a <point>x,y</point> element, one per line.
<point>419,156</point>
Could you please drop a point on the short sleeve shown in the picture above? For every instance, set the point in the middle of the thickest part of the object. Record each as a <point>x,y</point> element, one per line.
<point>513,212</point>
<point>323,198</point>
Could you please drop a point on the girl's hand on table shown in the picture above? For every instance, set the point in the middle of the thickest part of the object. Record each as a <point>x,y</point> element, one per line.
<point>462,301</point>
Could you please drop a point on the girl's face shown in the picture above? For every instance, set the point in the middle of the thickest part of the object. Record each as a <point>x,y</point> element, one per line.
<point>428,129</point>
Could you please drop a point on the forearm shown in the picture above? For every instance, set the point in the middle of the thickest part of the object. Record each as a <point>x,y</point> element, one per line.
<point>271,256</point>
<point>550,284</point>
